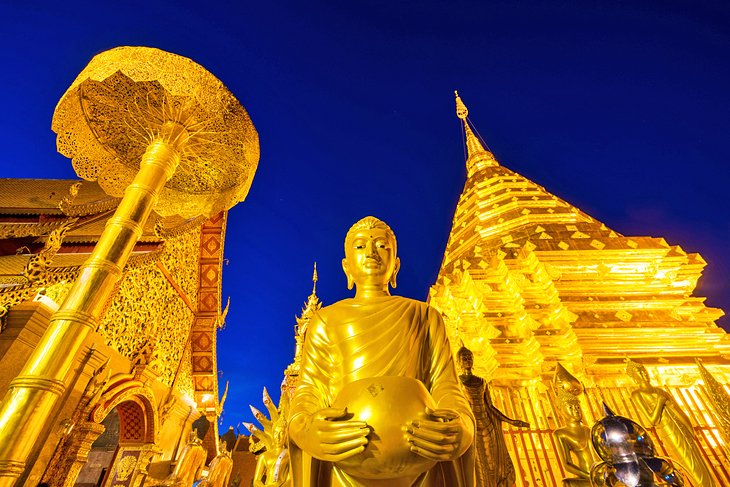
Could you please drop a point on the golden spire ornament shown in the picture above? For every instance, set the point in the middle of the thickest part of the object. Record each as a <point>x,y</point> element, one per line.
<point>291,374</point>
<point>477,157</point>
<point>163,132</point>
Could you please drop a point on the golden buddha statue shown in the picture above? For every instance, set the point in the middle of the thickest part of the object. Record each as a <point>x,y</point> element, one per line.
<point>272,466</point>
<point>219,470</point>
<point>493,465</point>
<point>190,464</point>
<point>672,425</point>
<point>378,339</point>
<point>272,463</point>
<point>574,441</point>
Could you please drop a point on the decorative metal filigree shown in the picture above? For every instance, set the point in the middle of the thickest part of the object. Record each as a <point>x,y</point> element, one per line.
<point>127,326</point>
<point>124,99</point>
<point>38,263</point>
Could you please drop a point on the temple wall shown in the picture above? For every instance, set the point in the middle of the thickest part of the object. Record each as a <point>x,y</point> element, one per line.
<point>26,323</point>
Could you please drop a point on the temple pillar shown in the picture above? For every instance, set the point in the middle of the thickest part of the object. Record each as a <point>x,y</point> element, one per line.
<point>25,324</point>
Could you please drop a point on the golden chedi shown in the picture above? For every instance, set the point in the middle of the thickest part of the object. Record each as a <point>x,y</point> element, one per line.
<point>528,280</point>
<point>376,336</point>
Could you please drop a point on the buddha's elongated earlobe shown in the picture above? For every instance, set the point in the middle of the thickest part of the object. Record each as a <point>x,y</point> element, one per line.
<point>345,269</point>
<point>393,276</point>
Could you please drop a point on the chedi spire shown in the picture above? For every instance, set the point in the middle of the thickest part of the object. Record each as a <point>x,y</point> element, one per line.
<point>477,157</point>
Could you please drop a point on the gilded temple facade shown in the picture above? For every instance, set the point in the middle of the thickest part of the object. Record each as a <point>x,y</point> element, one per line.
<point>529,281</point>
<point>150,369</point>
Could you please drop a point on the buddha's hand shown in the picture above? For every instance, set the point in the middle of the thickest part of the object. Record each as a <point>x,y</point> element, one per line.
<point>442,436</point>
<point>328,437</point>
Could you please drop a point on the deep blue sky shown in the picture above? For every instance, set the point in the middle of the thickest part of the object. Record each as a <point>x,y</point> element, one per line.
<point>620,107</point>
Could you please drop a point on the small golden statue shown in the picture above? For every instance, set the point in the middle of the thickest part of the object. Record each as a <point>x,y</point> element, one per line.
<point>219,470</point>
<point>672,425</point>
<point>360,352</point>
<point>272,465</point>
<point>574,441</point>
<point>493,465</point>
<point>191,461</point>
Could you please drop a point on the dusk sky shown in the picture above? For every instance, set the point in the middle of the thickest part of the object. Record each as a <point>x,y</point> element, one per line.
<point>622,108</point>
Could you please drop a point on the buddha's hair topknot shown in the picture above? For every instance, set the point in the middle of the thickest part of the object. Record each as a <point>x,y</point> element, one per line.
<point>634,369</point>
<point>564,398</point>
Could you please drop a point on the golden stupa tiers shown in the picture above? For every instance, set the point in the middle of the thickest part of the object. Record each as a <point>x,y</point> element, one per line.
<point>529,281</point>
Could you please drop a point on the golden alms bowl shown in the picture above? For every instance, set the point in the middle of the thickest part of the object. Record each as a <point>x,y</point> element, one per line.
<point>387,405</point>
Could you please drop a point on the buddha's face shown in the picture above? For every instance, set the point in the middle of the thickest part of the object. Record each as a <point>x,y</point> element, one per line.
<point>572,411</point>
<point>279,436</point>
<point>466,361</point>
<point>370,259</point>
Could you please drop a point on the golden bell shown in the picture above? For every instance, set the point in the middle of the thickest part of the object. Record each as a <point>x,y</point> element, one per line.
<point>387,405</point>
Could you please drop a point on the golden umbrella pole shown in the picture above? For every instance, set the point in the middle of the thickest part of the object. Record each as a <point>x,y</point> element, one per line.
<point>167,115</point>
<point>33,393</point>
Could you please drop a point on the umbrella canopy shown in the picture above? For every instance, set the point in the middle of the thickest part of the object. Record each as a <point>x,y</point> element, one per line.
<point>123,101</point>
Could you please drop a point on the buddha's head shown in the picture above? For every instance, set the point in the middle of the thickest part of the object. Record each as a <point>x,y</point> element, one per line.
<point>465,358</point>
<point>228,440</point>
<point>370,260</point>
<point>569,406</point>
<point>638,373</point>
<point>280,436</point>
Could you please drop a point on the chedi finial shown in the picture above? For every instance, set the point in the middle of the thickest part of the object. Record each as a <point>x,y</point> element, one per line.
<point>461,111</point>
<point>477,156</point>
<point>315,278</point>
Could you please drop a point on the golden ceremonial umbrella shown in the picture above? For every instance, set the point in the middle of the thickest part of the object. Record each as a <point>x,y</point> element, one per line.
<point>163,132</point>
<point>129,96</point>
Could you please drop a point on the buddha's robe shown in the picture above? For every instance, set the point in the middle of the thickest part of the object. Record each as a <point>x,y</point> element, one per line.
<point>385,336</point>
<point>189,466</point>
<point>219,471</point>
<point>492,463</point>
<point>675,430</point>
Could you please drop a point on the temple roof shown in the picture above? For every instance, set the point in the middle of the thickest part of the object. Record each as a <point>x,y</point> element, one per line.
<point>42,196</point>
<point>35,207</point>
